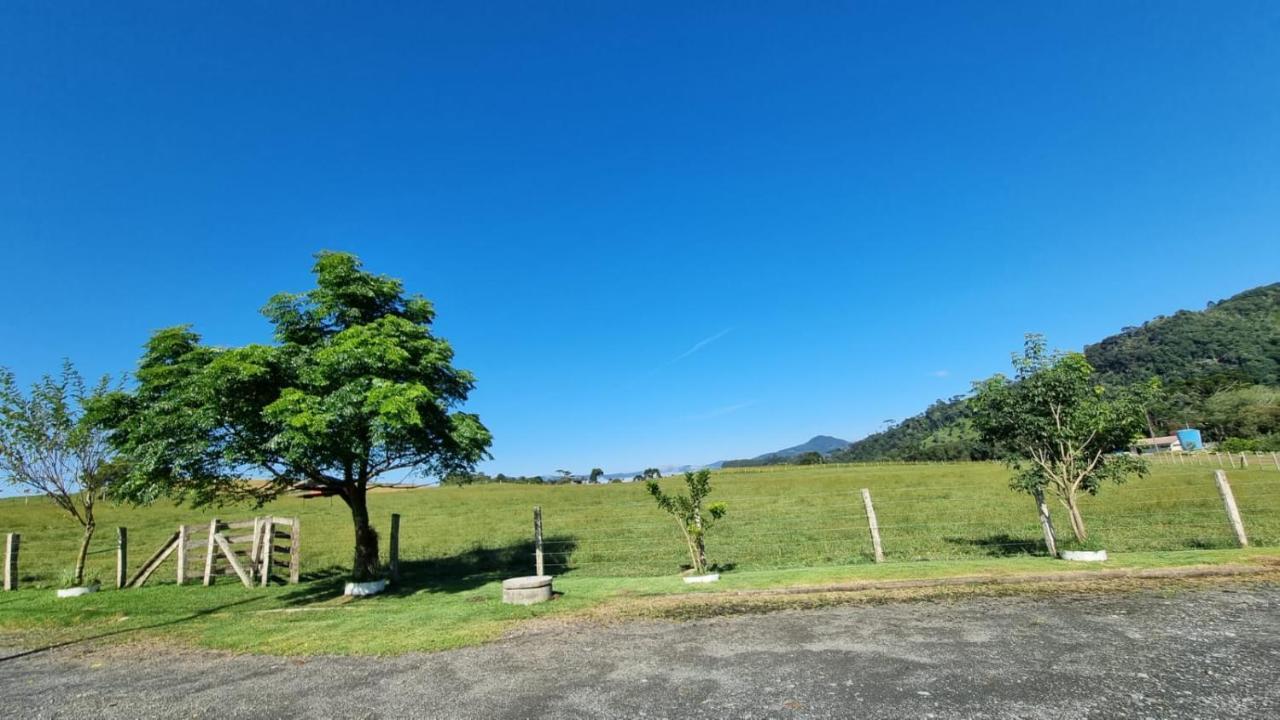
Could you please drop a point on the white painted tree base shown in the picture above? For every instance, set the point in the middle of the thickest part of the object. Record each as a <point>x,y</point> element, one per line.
<point>1085,555</point>
<point>365,589</point>
<point>77,591</point>
<point>692,579</point>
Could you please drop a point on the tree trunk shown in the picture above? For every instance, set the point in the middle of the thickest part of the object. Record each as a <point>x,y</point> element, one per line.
<point>364,566</point>
<point>1077,522</point>
<point>84,552</point>
<point>699,545</point>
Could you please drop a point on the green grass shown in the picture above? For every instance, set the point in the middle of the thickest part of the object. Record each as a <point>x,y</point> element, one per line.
<point>310,619</point>
<point>786,526</point>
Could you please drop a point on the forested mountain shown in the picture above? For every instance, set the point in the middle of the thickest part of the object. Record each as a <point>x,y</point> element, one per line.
<point>1209,362</point>
<point>820,444</point>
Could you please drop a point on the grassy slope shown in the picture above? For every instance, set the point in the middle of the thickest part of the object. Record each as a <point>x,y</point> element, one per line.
<point>457,542</point>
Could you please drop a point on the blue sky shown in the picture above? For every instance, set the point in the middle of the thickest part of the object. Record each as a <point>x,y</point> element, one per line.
<point>657,233</point>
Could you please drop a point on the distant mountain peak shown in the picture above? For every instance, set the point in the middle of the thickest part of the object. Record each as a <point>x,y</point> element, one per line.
<point>821,444</point>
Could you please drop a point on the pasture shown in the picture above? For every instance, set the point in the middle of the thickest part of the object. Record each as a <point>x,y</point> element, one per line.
<point>785,526</point>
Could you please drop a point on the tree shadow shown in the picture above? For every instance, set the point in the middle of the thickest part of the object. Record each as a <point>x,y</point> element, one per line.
<point>176,621</point>
<point>455,573</point>
<point>1002,545</point>
<point>1208,544</point>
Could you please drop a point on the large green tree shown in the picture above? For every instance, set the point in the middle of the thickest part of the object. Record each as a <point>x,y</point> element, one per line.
<point>356,386</point>
<point>1059,428</point>
<point>50,445</point>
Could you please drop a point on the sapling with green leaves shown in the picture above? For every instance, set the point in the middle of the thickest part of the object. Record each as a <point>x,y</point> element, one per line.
<point>693,518</point>
<point>50,445</point>
<point>1059,428</point>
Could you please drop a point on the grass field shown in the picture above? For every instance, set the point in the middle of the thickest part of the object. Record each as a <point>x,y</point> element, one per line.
<point>785,525</point>
<point>778,518</point>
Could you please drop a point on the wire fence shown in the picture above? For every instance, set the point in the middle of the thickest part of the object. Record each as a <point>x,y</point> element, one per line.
<point>783,519</point>
<point>916,521</point>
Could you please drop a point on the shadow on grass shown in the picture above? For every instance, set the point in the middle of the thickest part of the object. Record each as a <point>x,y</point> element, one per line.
<point>449,574</point>
<point>176,621</point>
<point>1002,545</point>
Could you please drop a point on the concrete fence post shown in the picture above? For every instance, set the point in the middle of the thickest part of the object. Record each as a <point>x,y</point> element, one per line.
<point>12,542</point>
<point>538,566</point>
<point>875,526</point>
<point>122,557</point>
<point>1046,524</point>
<point>1229,502</point>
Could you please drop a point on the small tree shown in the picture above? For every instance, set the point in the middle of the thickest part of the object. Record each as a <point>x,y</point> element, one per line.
<point>49,445</point>
<point>693,519</point>
<point>1058,428</point>
<point>596,474</point>
<point>812,457</point>
<point>356,386</point>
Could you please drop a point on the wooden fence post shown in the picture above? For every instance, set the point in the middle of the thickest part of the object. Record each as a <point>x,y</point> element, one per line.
<point>537,540</point>
<point>268,548</point>
<point>122,557</point>
<point>209,553</point>
<point>1229,501</point>
<point>184,537</point>
<point>875,527</point>
<point>394,548</point>
<point>12,542</point>
<point>255,550</point>
<point>1275,460</point>
<point>1046,524</point>
<point>1244,460</point>
<point>295,552</point>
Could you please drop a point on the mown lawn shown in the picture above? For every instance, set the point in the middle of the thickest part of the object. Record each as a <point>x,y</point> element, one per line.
<point>786,526</point>
<point>311,619</point>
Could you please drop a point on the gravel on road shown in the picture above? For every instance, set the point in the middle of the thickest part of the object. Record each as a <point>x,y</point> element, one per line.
<point>1190,654</point>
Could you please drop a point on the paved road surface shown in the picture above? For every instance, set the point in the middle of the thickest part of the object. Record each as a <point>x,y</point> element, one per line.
<point>1203,654</point>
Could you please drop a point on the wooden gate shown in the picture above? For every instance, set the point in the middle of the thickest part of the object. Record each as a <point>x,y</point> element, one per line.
<point>252,556</point>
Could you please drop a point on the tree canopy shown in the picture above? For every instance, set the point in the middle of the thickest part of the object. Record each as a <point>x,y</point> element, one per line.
<point>50,444</point>
<point>355,386</point>
<point>1058,427</point>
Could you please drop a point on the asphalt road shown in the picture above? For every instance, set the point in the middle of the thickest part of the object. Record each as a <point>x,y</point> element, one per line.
<point>1202,654</point>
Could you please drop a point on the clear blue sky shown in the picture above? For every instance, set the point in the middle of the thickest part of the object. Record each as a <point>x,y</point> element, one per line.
<point>657,233</point>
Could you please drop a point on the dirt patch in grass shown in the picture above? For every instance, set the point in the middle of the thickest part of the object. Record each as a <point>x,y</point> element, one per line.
<point>741,602</point>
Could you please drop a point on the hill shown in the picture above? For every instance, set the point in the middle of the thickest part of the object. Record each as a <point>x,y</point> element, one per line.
<point>821,444</point>
<point>1196,354</point>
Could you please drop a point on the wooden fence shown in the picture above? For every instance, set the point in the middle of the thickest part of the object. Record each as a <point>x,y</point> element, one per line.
<point>253,556</point>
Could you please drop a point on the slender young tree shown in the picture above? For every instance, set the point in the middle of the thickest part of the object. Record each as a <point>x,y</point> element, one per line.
<point>356,386</point>
<point>1059,428</point>
<point>694,520</point>
<point>50,445</point>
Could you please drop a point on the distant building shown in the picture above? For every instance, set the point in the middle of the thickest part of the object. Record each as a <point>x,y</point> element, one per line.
<point>1190,439</point>
<point>1167,443</point>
